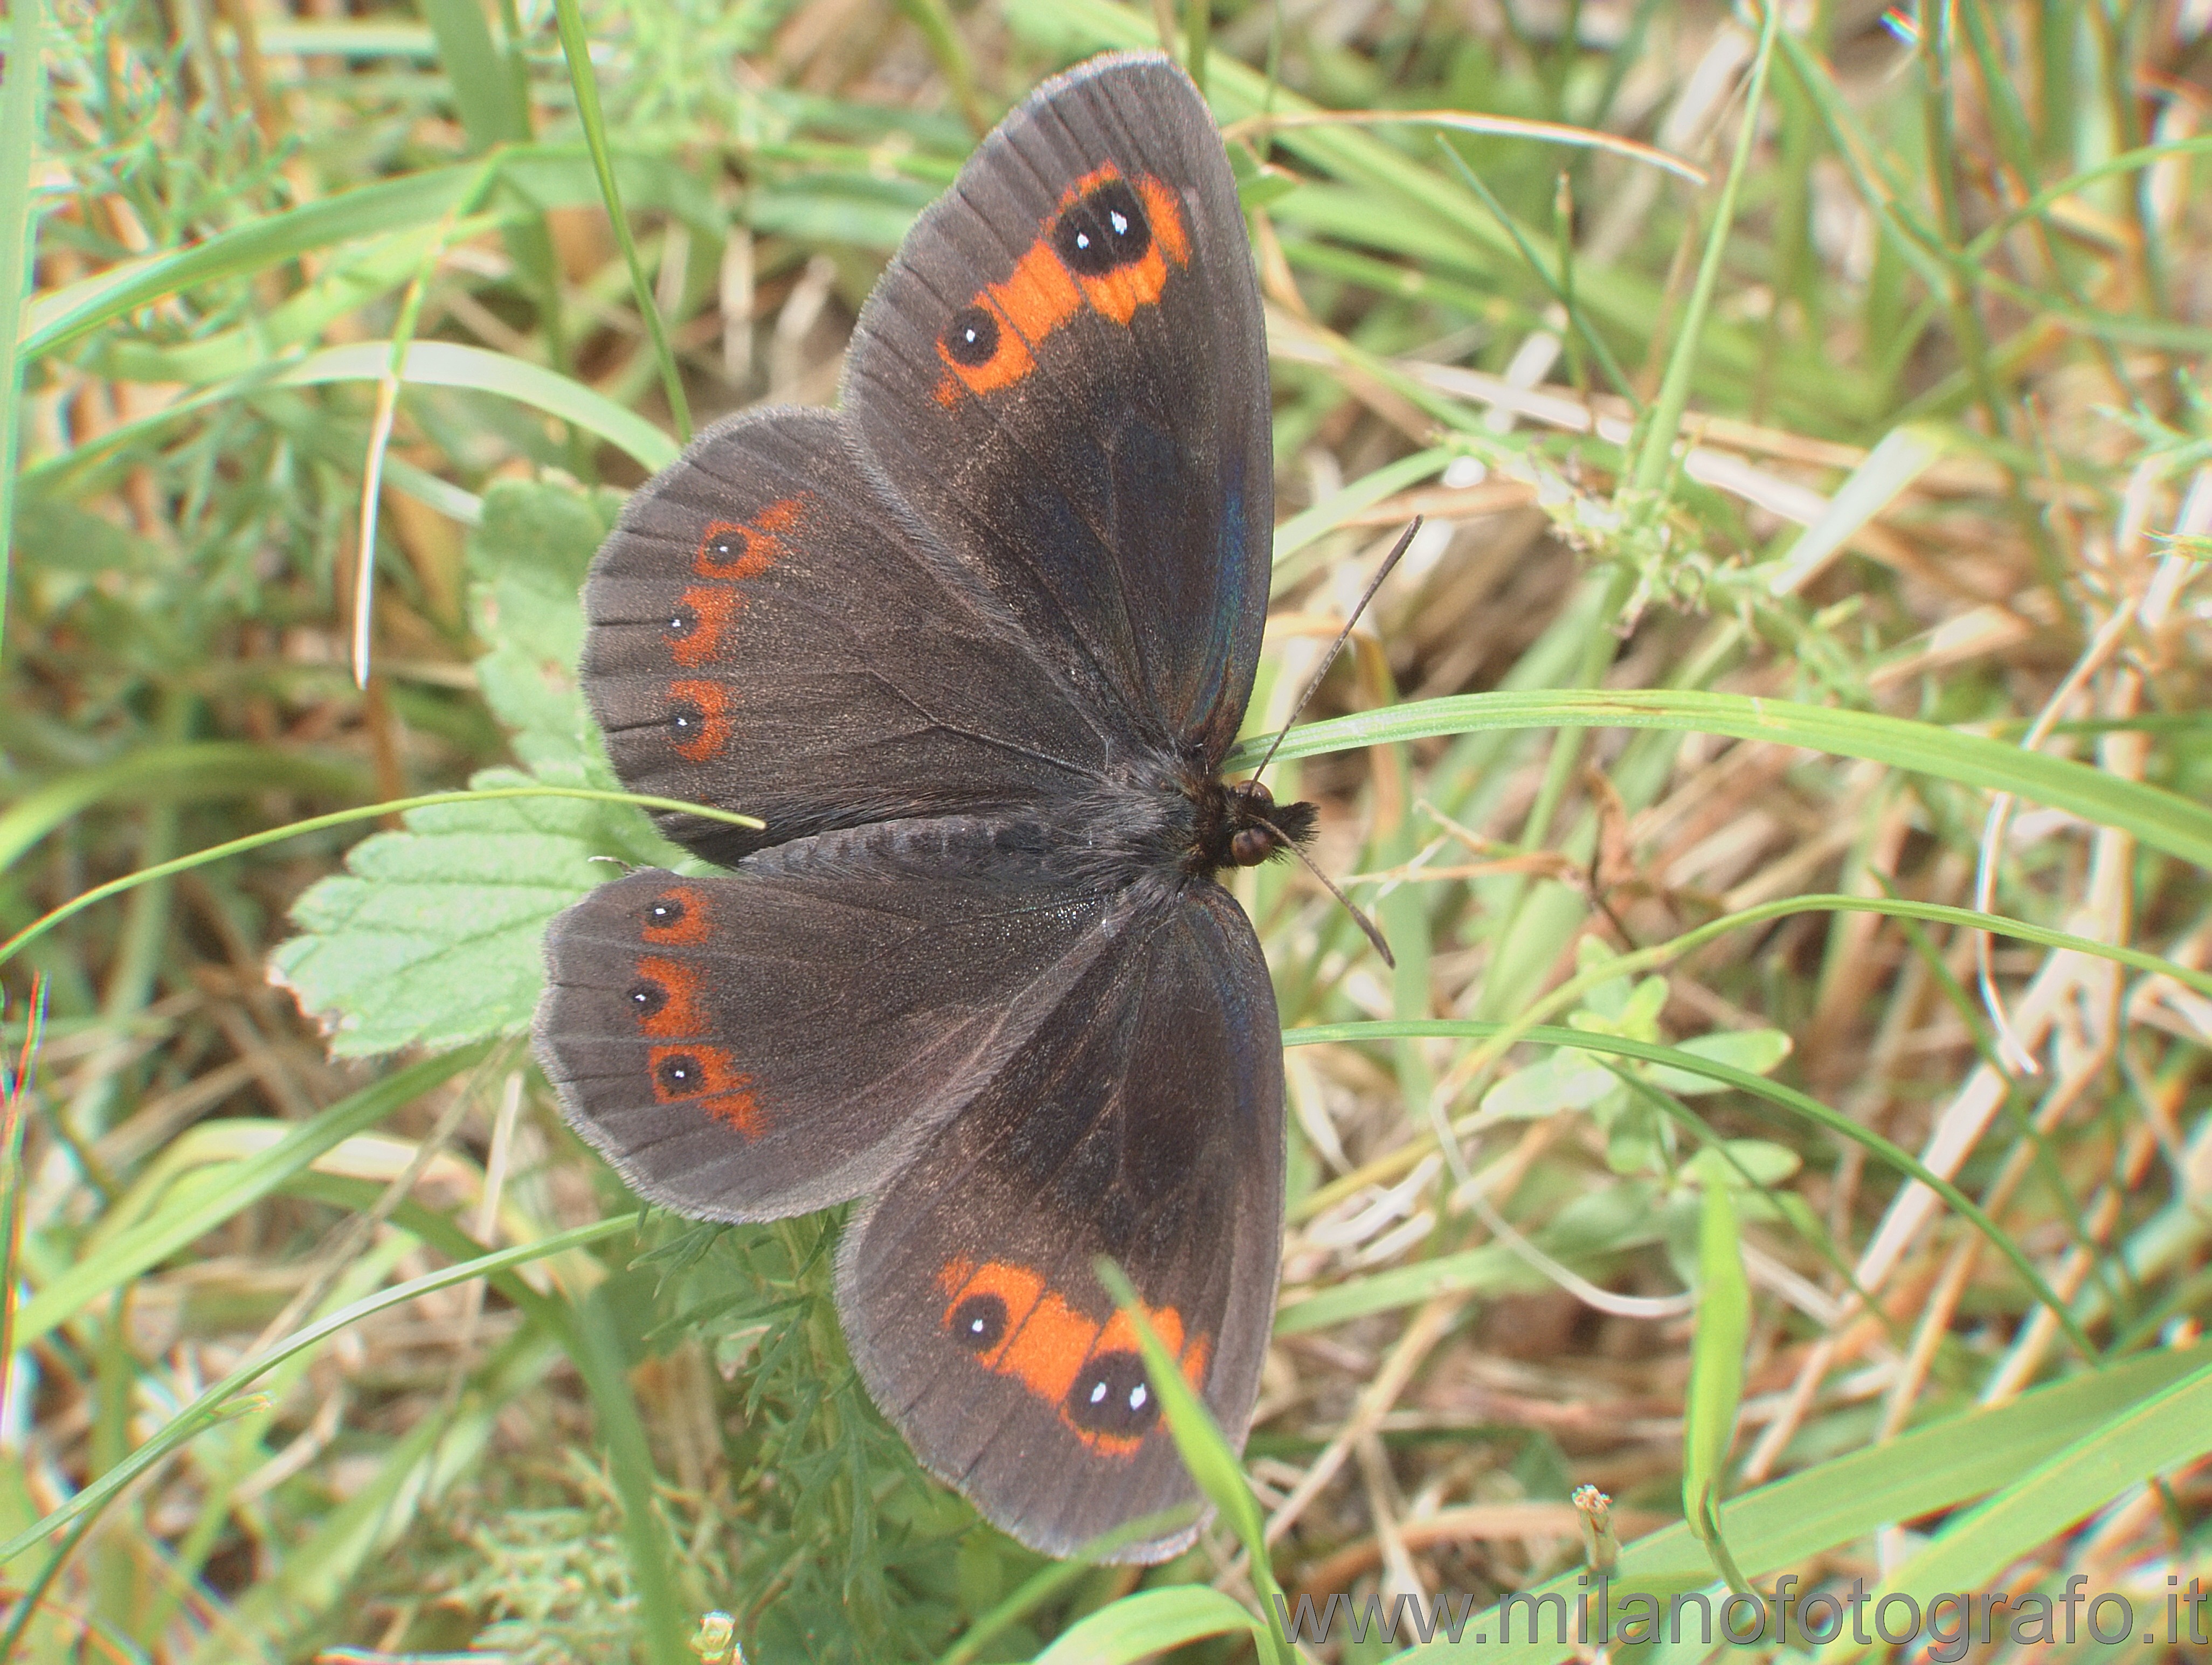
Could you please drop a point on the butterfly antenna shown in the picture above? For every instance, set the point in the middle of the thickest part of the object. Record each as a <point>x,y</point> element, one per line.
<point>1374,932</point>
<point>1313,684</point>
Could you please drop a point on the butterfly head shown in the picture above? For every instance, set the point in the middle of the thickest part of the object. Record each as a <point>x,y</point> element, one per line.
<point>1243,826</point>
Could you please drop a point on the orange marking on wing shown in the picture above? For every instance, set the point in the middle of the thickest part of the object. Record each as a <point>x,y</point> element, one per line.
<point>1046,1353</point>
<point>1118,294</point>
<point>1164,209</point>
<point>952,1277</point>
<point>1121,1335</point>
<point>719,1087</point>
<point>734,552</point>
<point>1048,1341</point>
<point>1042,294</point>
<point>682,1015</point>
<point>1088,183</point>
<point>780,516</point>
<point>713,607</point>
<point>712,701</point>
<point>1036,299</point>
<point>1016,1285</point>
<point>1195,1358</point>
<point>689,927</point>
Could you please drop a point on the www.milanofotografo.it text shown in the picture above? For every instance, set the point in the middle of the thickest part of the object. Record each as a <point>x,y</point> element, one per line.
<point>1946,1624</point>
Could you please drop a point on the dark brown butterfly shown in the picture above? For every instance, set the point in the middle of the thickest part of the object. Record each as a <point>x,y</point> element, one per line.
<point>975,649</point>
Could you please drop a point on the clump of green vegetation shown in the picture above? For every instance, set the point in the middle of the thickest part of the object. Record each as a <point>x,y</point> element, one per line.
<point>1780,766</point>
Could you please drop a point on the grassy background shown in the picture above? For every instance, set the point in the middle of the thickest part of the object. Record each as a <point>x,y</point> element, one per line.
<point>1812,576</point>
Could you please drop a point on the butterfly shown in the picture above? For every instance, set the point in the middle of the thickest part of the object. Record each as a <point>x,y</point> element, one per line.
<point>975,648</point>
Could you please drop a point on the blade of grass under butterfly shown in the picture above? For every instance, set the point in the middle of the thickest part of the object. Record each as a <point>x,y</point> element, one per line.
<point>1212,1463</point>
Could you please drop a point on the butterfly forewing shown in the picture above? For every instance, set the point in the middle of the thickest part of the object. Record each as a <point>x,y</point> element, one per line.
<point>764,636</point>
<point>1064,373</point>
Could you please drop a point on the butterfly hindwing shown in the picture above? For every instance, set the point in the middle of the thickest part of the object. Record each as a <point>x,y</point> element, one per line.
<point>1142,1121</point>
<point>1064,374</point>
<point>757,1046</point>
<point>764,636</point>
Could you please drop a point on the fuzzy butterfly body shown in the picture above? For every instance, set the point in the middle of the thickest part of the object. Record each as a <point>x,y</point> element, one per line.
<point>974,648</point>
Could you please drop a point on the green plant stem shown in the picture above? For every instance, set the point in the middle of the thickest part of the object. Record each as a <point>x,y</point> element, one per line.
<point>576,48</point>
<point>1656,450</point>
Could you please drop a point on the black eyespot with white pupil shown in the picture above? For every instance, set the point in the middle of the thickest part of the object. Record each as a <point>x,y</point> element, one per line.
<point>666,911</point>
<point>687,719</point>
<point>682,622</point>
<point>678,1074</point>
<point>972,338</point>
<point>1111,1396</point>
<point>1103,229</point>
<point>647,998</point>
<point>726,547</point>
<point>979,1323</point>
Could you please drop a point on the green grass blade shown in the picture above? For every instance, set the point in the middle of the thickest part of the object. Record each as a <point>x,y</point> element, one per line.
<point>477,73</point>
<point>551,175</point>
<point>19,103</point>
<point>195,772</point>
<point>1845,1500</point>
<point>429,364</point>
<point>76,904</point>
<point>1148,1623</point>
<point>1655,449</point>
<point>412,201</point>
<point>2164,821</point>
<point>2157,1435</point>
<point>212,1406</point>
<point>1212,1463</point>
<point>1716,1392</point>
<point>598,1354</point>
<point>576,48</point>
<point>1758,1086</point>
<point>1309,525</point>
<point>455,364</point>
<point>192,1213</point>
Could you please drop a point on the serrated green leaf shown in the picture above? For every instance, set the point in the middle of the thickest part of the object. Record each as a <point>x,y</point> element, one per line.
<point>431,936</point>
<point>527,560</point>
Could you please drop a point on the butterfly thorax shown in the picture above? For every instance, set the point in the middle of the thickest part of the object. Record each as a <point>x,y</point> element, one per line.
<point>1172,817</point>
